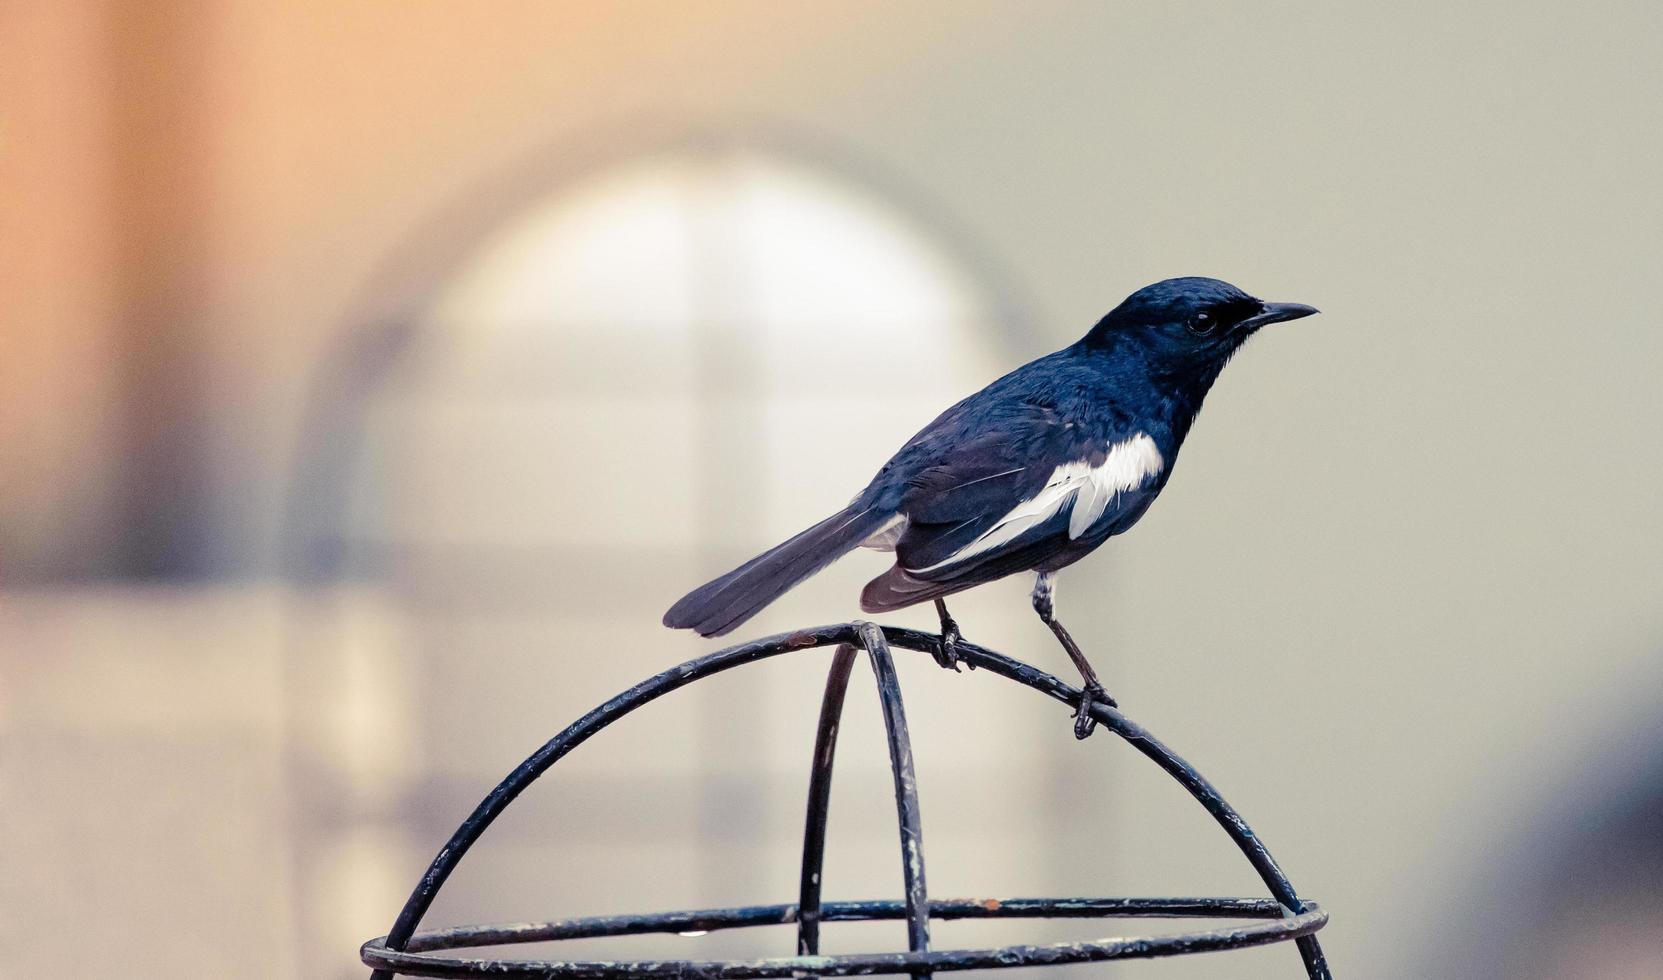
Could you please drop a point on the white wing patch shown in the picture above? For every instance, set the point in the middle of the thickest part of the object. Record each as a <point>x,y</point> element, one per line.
<point>1085,489</point>
<point>1129,465</point>
<point>885,538</point>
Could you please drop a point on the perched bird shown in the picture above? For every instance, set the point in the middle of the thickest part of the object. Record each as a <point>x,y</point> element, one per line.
<point>1031,473</point>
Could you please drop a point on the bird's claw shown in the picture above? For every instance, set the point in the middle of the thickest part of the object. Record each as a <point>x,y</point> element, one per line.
<point>1084,723</point>
<point>947,647</point>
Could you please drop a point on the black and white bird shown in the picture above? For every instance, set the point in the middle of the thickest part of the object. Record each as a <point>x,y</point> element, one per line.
<point>1030,474</point>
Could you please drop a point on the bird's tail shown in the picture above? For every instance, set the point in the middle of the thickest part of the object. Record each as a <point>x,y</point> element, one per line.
<point>720,606</point>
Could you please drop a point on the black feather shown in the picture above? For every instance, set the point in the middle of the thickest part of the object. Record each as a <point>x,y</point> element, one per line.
<point>721,605</point>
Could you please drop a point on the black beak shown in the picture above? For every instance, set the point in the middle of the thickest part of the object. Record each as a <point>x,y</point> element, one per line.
<point>1275,313</point>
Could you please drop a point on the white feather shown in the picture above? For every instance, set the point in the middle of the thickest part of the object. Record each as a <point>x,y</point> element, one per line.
<point>1086,490</point>
<point>886,537</point>
<point>1129,466</point>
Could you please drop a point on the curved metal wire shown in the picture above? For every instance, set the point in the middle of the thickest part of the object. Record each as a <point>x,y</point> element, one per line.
<point>819,801</point>
<point>945,909</point>
<point>1278,927</point>
<point>401,950</point>
<point>906,790</point>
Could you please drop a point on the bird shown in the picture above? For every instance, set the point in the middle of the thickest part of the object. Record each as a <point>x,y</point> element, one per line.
<point>1029,474</point>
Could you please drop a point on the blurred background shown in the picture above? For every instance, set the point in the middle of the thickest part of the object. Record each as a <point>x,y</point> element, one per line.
<point>374,375</point>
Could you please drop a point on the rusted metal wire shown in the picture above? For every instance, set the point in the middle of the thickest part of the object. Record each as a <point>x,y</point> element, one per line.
<point>1286,917</point>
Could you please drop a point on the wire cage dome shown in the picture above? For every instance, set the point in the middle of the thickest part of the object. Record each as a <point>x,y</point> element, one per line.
<point>1282,917</point>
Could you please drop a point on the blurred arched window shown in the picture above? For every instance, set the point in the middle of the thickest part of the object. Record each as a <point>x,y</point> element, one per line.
<point>633,383</point>
<point>624,361</point>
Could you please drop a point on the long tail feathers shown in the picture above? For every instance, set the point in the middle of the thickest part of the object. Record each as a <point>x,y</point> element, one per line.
<point>720,606</point>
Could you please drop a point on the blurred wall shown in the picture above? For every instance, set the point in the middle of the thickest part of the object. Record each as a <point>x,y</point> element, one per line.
<point>1405,586</point>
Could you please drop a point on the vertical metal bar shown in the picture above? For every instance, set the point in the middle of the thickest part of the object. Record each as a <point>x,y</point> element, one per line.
<point>819,801</point>
<point>1316,964</point>
<point>906,790</point>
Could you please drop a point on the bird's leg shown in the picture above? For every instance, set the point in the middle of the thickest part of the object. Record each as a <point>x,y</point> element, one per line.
<point>1092,691</point>
<point>947,654</point>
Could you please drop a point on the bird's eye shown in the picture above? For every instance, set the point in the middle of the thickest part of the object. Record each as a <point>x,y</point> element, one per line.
<point>1203,324</point>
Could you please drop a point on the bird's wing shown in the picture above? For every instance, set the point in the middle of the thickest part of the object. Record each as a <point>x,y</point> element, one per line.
<point>1026,482</point>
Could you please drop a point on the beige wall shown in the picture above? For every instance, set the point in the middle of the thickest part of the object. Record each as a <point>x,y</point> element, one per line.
<point>1405,585</point>
<point>1435,174</point>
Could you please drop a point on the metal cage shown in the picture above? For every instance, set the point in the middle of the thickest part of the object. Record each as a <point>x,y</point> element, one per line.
<point>1282,917</point>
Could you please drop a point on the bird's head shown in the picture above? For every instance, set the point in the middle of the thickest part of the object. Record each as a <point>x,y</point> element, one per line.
<point>1191,324</point>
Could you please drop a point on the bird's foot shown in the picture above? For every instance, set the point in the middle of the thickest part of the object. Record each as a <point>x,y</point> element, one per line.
<point>947,647</point>
<point>1084,723</point>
